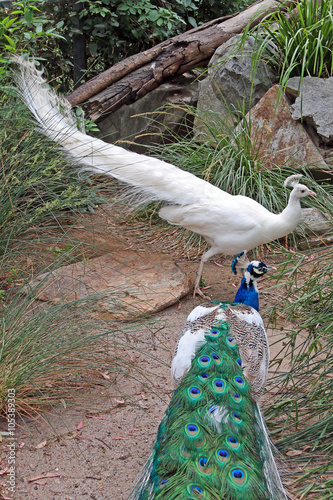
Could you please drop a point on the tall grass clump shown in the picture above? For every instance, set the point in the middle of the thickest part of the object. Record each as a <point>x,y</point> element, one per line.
<point>300,412</point>
<point>37,182</point>
<point>52,354</point>
<point>303,40</point>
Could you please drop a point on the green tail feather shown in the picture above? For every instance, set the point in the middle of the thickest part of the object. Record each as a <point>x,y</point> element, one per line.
<point>208,444</point>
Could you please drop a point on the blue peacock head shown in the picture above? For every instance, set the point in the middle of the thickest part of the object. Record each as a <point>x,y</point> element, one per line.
<point>256,268</point>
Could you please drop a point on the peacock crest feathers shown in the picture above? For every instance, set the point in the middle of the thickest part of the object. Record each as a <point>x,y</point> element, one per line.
<point>206,446</point>
<point>292,180</point>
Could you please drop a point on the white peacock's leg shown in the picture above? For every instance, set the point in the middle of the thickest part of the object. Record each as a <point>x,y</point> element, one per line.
<point>212,251</point>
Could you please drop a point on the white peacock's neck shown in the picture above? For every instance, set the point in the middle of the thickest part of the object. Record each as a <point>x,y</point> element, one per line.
<point>286,221</point>
<point>293,209</point>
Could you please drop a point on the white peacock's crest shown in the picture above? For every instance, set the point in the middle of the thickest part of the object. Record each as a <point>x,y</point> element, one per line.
<point>292,180</point>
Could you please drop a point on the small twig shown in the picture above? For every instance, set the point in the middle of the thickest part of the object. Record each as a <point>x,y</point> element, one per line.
<point>107,445</point>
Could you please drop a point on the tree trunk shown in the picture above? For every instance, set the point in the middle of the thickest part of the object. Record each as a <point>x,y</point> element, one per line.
<point>132,78</point>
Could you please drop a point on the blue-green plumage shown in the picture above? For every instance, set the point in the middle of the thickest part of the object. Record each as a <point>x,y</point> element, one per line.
<point>206,443</point>
<point>212,443</point>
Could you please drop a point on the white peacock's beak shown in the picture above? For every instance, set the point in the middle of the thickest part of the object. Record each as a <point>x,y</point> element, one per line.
<point>313,193</point>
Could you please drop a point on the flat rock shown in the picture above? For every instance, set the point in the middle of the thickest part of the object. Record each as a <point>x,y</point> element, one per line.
<point>124,285</point>
<point>313,104</point>
<point>282,140</point>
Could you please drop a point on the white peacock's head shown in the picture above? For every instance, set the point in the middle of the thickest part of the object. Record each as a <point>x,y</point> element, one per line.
<point>301,191</point>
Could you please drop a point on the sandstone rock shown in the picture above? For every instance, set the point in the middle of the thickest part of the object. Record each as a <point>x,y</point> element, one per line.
<point>125,285</point>
<point>313,104</point>
<point>281,139</point>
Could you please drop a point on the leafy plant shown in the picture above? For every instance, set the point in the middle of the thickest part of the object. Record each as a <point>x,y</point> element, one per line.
<point>106,31</point>
<point>23,28</point>
<point>49,352</point>
<point>303,39</point>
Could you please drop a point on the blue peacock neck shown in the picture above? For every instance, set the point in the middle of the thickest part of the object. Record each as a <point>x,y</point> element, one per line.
<point>248,292</point>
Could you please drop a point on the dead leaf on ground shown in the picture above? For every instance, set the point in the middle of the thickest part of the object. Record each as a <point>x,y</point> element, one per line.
<point>41,445</point>
<point>79,426</point>
<point>294,453</point>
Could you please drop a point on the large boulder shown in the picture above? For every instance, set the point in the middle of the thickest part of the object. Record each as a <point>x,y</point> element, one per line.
<point>313,104</point>
<point>124,285</point>
<point>233,79</point>
<point>280,139</point>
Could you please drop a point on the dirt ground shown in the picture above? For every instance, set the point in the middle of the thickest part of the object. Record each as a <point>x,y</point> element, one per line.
<point>95,450</point>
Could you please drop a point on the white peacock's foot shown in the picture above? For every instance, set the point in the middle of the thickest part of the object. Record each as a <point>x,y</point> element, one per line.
<point>197,291</point>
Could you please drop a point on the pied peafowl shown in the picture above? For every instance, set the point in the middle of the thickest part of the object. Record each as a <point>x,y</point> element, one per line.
<point>212,443</point>
<point>228,223</point>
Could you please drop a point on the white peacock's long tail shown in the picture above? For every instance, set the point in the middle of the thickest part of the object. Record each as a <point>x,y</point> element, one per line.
<point>150,177</point>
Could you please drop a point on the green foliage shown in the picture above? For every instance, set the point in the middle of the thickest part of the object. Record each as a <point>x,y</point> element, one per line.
<point>49,356</point>
<point>303,39</point>
<point>23,28</point>
<point>112,29</point>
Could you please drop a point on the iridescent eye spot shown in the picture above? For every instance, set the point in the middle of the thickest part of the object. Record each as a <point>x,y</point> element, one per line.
<point>163,482</point>
<point>165,452</point>
<point>219,386</point>
<point>212,409</point>
<point>233,442</point>
<point>214,332</point>
<point>239,380</point>
<point>204,361</point>
<point>163,438</point>
<point>239,362</point>
<point>204,375</point>
<point>216,356</point>
<point>192,430</point>
<point>222,456</point>
<point>199,442</point>
<point>195,391</point>
<point>231,341</point>
<point>238,476</point>
<point>204,466</point>
<point>237,397</point>
<point>197,491</point>
<point>185,452</point>
<point>236,417</point>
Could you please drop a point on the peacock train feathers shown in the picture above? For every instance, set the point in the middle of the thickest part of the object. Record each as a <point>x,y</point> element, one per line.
<point>212,443</point>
